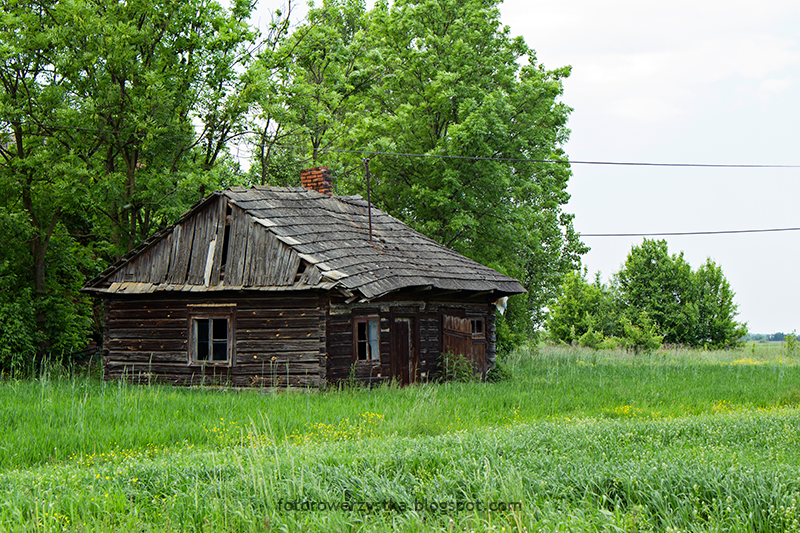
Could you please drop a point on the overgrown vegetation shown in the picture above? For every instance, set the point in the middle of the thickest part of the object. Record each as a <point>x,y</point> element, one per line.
<point>681,439</point>
<point>656,297</point>
<point>458,368</point>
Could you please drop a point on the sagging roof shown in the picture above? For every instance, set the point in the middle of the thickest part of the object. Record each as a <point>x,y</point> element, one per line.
<point>292,238</point>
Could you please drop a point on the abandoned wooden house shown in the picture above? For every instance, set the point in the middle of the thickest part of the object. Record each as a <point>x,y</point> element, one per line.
<point>277,286</point>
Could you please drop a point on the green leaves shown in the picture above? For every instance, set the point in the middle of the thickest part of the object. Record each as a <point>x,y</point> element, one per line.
<point>98,105</point>
<point>694,308</point>
<point>654,298</point>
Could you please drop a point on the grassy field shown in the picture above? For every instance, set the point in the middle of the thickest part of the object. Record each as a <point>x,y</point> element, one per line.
<point>578,440</point>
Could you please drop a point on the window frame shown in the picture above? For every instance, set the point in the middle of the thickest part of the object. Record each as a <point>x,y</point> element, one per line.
<point>376,356</point>
<point>211,312</point>
<point>473,322</point>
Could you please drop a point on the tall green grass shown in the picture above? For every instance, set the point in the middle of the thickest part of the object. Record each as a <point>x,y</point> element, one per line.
<point>54,419</point>
<point>687,440</point>
<point>737,471</point>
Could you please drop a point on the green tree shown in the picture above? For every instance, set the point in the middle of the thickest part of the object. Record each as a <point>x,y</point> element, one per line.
<point>581,307</point>
<point>717,311</point>
<point>317,75</point>
<point>42,183</point>
<point>98,148</point>
<point>145,73</point>
<point>694,308</point>
<point>661,285</point>
<point>445,78</point>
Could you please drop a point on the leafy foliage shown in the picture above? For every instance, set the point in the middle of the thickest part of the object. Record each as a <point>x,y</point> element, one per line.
<point>97,108</point>
<point>442,78</point>
<point>694,308</point>
<point>654,298</point>
<point>457,367</point>
<point>582,307</point>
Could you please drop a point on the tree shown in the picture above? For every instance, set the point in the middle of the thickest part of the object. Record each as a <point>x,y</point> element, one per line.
<point>444,79</point>
<point>717,327</point>
<point>653,282</point>
<point>654,298</point>
<point>581,307</point>
<point>317,75</point>
<point>98,104</point>
<point>694,308</point>
<point>145,73</point>
<point>42,183</point>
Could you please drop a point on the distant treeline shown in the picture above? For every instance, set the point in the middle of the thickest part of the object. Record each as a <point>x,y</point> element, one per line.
<point>766,337</point>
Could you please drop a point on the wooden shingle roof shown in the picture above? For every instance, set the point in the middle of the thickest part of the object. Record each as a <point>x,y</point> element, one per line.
<point>291,238</point>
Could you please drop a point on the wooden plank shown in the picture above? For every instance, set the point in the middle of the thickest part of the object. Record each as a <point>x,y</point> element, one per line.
<point>270,324</point>
<point>255,255</point>
<point>160,266</point>
<point>199,249</point>
<point>140,314</point>
<point>135,324</point>
<point>148,332</point>
<point>216,269</point>
<point>146,345</point>
<point>294,264</point>
<point>147,357</point>
<point>277,345</point>
<point>271,334</point>
<point>237,249</point>
<point>271,256</point>
<point>178,258</point>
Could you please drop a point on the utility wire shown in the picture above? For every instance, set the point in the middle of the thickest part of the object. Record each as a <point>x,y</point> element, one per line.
<point>525,160</point>
<point>669,234</point>
<point>437,156</point>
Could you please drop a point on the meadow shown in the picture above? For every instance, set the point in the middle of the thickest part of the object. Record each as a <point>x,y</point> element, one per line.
<point>577,440</point>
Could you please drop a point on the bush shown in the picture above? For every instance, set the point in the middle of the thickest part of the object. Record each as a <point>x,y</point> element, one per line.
<point>791,343</point>
<point>456,367</point>
<point>498,373</point>
<point>642,337</point>
<point>591,339</point>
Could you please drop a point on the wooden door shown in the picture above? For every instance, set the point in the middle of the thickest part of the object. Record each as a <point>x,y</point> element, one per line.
<point>463,336</point>
<point>404,364</point>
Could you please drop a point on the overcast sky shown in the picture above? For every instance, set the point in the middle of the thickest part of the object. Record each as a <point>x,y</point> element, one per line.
<point>696,81</point>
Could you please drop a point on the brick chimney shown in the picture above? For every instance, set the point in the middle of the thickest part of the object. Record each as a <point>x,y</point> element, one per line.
<point>317,179</point>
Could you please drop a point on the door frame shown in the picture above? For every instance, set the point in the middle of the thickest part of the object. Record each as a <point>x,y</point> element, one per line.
<point>412,318</point>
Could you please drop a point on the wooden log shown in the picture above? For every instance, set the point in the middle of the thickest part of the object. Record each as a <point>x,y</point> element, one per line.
<point>148,332</point>
<point>146,345</point>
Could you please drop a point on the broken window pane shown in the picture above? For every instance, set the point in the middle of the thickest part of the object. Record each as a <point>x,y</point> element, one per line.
<point>368,340</point>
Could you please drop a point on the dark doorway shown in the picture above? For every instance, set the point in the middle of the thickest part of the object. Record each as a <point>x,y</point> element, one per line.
<point>404,354</point>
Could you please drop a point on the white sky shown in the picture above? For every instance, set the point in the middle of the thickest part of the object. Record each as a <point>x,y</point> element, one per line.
<point>701,81</point>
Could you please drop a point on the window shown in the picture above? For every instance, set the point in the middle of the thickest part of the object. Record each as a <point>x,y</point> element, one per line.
<point>368,342</point>
<point>477,327</point>
<point>211,336</point>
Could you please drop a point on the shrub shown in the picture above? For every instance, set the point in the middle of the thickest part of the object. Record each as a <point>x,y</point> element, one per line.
<point>498,373</point>
<point>642,337</point>
<point>791,343</point>
<point>591,339</point>
<point>458,368</point>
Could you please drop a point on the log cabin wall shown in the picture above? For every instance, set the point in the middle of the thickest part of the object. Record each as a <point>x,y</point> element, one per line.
<point>275,339</point>
<point>428,318</point>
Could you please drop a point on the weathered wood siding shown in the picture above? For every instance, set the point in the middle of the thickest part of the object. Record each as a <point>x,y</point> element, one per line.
<point>278,340</point>
<point>197,253</point>
<point>428,318</point>
<point>341,345</point>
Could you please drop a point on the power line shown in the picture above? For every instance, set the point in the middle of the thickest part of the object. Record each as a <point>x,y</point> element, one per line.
<point>676,233</point>
<point>525,160</point>
<point>440,156</point>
